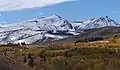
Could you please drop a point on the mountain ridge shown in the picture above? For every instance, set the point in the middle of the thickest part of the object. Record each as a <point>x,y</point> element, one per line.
<point>49,29</point>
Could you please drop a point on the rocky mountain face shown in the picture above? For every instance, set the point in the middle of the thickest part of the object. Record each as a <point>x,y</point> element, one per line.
<point>48,29</point>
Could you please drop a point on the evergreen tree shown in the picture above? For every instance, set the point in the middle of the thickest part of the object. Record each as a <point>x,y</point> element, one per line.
<point>29,55</point>
<point>31,62</point>
<point>25,60</point>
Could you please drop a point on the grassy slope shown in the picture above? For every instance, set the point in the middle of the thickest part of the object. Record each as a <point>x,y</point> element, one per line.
<point>8,64</point>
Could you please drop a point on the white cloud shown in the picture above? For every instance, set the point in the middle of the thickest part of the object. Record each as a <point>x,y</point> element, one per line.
<point>8,5</point>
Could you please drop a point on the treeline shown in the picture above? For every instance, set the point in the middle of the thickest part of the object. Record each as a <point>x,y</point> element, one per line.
<point>12,44</point>
<point>90,39</point>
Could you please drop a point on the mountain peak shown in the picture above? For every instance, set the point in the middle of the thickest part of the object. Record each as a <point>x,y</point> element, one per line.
<point>107,20</point>
<point>98,23</point>
<point>106,16</point>
<point>54,17</point>
<point>99,20</point>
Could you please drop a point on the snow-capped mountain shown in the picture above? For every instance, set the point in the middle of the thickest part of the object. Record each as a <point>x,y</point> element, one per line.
<point>96,23</point>
<point>42,29</point>
<point>48,29</point>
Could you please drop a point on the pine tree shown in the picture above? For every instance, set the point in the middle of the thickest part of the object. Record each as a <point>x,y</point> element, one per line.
<point>25,60</point>
<point>29,55</point>
<point>31,62</point>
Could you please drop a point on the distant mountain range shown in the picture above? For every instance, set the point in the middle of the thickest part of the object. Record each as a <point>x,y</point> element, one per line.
<point>51,28</point>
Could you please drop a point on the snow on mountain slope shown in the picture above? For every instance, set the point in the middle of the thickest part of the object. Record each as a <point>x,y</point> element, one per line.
<point>96,23</point>
<point>52,23</point>
<point>46,24</point>
<point>48,29</point>
<point>53,27</point>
